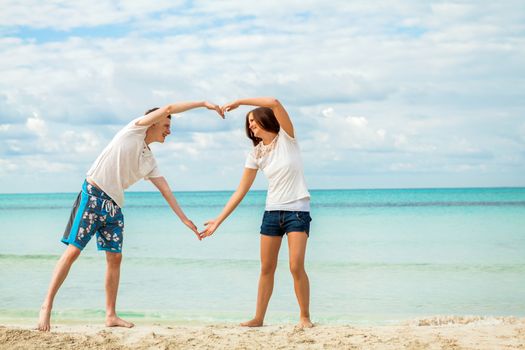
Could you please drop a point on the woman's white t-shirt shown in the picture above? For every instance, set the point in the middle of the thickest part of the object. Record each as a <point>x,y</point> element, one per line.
<point>283,167</point>
<point>124,161</point>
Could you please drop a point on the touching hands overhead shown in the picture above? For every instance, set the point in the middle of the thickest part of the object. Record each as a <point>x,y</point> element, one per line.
<point>214,107</point>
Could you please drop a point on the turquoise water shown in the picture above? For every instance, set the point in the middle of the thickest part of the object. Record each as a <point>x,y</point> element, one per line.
<point>374,256</point>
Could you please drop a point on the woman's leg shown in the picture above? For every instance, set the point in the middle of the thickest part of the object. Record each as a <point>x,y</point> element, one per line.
<point>297,248</point>
<point>270,246</point>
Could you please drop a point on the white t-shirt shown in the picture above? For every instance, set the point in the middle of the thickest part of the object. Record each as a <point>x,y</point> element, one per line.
<point>283,167</point>
<point>124,161</point>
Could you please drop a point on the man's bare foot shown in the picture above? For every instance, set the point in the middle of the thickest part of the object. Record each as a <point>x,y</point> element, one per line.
<point>305,322</point>
<point>44,319</point>
<point>114,321</point>
<point>252,323</point>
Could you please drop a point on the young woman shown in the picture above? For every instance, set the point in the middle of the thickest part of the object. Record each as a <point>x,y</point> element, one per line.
<point>277,154</point>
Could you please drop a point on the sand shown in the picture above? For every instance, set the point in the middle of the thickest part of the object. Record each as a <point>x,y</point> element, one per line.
<point>430,333</point>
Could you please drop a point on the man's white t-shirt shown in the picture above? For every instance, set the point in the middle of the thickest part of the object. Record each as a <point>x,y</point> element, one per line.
<point>124,161</point>
<point>283,168</point>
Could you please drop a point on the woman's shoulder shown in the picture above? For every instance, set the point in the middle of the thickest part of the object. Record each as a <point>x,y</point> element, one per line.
<point>285,136</point>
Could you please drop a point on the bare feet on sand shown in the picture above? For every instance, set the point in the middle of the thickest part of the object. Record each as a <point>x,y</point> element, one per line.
<point>252,323</point>
<point>44,323</point>
<point>114,321</point>
<point>305,322</point>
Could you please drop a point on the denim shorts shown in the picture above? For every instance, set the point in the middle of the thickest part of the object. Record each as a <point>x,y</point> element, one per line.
<point>279,222</point>
<point>95,213</point>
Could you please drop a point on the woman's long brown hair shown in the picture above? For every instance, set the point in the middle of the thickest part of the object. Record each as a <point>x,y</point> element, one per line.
<point>265,118</point>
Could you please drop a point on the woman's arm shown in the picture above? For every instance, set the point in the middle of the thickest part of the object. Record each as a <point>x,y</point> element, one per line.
<point>164,188</point>
<point>157,115</point>
<point>248,176</point>
<point>280,113</point>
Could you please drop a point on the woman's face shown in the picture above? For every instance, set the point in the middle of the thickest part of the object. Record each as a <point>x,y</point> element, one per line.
<point>254,126</point>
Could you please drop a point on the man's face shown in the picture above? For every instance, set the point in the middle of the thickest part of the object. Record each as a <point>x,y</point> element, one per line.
<point>161,130</point>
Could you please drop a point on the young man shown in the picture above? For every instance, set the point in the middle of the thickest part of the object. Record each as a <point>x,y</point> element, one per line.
<point>126,160</point>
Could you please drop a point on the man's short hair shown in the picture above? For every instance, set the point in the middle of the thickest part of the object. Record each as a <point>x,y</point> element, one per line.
<point>154,109</point>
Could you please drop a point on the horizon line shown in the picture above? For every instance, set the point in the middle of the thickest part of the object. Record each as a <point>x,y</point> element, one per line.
<point>313,189</point>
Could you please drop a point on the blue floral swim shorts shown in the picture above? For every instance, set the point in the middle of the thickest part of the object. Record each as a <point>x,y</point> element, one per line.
<point>94,212</point>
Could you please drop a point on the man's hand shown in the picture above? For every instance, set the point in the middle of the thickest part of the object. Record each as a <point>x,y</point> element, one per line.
<point>192,227</point>
<point>230,106</point>
<point>211,226</point>
<point>214,107</point>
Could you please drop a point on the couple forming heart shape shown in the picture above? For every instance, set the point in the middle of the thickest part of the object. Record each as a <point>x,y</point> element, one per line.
<point>97,210</point>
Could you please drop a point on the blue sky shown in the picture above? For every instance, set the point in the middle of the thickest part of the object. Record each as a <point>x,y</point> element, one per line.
<point>393,94</point>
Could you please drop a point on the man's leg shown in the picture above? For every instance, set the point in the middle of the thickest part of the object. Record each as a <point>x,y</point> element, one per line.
<point>112,281</point>
<point>59,275</point>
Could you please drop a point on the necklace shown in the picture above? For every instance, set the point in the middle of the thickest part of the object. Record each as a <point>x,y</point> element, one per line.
<point>262,150</point>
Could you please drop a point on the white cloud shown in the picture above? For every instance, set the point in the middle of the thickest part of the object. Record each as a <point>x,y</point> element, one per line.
<point>370,87</point>
<point>400,140</point>
<point>14,145</point>
<point>7,166</point>
<point>327,112</point>
<point>79,141</point>
<point>41,164</point>
<point>37,125</point>
<point>402,166</point>
<point>64,15</point>
<point>359,122</point>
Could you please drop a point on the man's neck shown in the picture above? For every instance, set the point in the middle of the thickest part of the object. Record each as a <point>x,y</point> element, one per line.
<point>148,140</point>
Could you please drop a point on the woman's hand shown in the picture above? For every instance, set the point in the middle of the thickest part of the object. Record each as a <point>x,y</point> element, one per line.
<point>192,227</point>
<point>214,107</point>
<point>211,226</point>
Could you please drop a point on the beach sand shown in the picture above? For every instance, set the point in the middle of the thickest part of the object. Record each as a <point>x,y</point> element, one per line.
<point>430,333</point>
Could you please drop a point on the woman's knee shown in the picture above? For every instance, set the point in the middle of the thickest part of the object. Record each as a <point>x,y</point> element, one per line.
<point>268,269</point>
<point>297,269</point>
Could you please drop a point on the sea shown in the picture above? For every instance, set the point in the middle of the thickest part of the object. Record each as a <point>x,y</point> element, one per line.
<point>375,256</point>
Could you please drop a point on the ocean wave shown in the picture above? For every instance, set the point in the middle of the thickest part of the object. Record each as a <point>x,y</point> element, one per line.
<point>201,316</point>
<point>347,266</point>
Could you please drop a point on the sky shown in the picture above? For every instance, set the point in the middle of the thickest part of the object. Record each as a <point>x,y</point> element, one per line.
<point>382,94</point>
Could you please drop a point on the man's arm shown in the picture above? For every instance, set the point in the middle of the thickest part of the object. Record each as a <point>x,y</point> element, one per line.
<point>164,188</point>
<point>163,112</point>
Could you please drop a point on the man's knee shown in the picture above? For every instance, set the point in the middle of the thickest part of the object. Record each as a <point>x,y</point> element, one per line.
<point>113,258</point>
<point>71,254</point>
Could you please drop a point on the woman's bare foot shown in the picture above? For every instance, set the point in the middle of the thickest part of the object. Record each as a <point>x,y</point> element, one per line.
<point>44,319</point>
<point>114,321</point>
<point>252,323</point>
<point>305,322</point>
